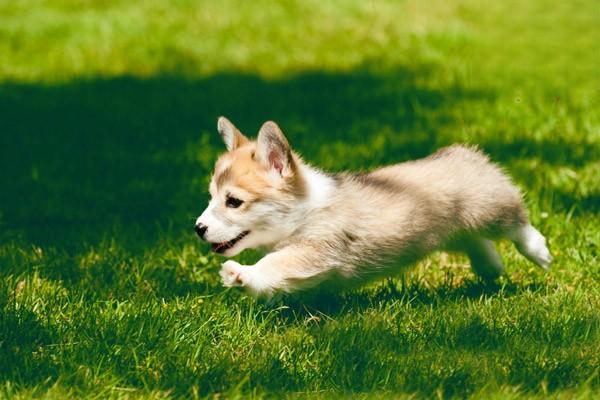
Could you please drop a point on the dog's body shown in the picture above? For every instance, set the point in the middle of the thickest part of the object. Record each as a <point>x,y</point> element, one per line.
<point>346,229</point>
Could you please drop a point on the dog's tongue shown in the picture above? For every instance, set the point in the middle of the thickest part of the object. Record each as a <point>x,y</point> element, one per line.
<point>220,247</point>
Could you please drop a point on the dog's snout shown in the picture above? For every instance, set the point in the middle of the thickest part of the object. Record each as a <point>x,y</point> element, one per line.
<point>200,229</point>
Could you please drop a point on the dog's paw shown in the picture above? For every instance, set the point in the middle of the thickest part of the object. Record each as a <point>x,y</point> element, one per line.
<point>231,274</point>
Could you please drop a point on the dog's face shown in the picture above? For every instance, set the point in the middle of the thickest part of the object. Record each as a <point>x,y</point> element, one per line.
<point>254,189</point>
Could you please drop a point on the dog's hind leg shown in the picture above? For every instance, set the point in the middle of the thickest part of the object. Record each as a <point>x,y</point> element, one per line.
<point>532,244</point>
<point>485,260</point>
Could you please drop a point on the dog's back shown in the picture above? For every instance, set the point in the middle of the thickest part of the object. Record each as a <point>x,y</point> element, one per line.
<point>461,182</point>
<point>412,208</point>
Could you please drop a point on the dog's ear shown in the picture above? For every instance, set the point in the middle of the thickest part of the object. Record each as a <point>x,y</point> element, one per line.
<point>274,150</point>
<point>232,137</point>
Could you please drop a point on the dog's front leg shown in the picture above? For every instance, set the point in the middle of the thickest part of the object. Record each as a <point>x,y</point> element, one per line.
<point>286,270</point>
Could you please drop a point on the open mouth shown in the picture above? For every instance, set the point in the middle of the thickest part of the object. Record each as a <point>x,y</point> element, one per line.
<point>222,247</point>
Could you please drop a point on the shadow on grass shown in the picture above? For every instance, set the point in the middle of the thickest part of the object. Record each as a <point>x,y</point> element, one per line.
<point>413,293</point>
<point>82,157</point>
<point>128,159</point>
<point>87,159</point>
<point>22,340</point>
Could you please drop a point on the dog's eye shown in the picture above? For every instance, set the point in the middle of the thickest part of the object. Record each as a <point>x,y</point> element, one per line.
<point>232,202</point>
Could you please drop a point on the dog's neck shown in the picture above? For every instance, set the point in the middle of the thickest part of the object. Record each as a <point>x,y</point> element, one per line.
<point>319,187</point>
<point>318,195</point>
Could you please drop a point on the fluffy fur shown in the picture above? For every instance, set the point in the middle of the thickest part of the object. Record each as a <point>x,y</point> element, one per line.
<point>342,230</point>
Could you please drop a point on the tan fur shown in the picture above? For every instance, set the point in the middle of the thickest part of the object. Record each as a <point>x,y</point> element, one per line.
<point>346,229</point>
<point>241,170</point>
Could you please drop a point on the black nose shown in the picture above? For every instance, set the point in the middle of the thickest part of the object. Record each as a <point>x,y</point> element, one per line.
<point>200,229</point>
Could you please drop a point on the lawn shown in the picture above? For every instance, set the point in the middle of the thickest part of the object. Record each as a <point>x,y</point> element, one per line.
<point>107,139</point>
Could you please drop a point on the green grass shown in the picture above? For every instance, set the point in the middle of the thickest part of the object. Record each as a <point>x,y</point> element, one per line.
<point>107,138</point>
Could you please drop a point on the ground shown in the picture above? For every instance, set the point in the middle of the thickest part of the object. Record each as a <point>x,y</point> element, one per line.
<point>108,134</point>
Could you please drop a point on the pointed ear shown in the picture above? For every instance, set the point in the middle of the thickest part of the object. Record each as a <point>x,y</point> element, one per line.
<point>232,137</point>
<point>273,149</point>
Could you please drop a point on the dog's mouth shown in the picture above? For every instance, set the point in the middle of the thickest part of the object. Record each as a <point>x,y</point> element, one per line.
<point>222,247</point>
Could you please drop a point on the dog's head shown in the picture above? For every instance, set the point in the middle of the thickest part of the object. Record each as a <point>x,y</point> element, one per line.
<point>254,189</point>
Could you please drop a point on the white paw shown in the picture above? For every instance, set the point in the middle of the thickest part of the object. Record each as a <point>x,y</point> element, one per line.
<point>231,272</point>
<point>539,251</point>
<point>544,258</point>
<point>532,244</point>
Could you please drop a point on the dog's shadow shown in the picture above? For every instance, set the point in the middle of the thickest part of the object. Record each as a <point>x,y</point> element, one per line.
<point>321,306</point>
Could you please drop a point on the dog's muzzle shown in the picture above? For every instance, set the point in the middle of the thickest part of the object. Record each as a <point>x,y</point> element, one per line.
<point>200,230</point>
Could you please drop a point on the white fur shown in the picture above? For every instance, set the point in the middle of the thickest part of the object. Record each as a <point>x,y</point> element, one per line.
<point>320,188</point>
<point>221,229</point>
<point>532,244</point>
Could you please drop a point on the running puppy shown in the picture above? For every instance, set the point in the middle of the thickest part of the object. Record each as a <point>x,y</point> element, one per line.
<point>345,229</point>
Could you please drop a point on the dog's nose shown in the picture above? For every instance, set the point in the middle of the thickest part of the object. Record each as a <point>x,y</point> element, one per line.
<point>200,229</point>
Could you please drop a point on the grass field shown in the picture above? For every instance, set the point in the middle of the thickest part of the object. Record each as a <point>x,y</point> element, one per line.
<point>108,135</point>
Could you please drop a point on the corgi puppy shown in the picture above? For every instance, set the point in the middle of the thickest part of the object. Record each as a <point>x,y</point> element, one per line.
<point>346,229</point>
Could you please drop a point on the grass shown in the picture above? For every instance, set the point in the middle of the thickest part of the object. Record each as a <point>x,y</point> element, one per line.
<point>107,138</point>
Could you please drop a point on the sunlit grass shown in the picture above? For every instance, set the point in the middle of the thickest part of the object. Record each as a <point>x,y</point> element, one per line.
<point>107,137</point>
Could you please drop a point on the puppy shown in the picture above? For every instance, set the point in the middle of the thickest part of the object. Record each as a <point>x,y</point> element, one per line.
<point>345,229</point>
